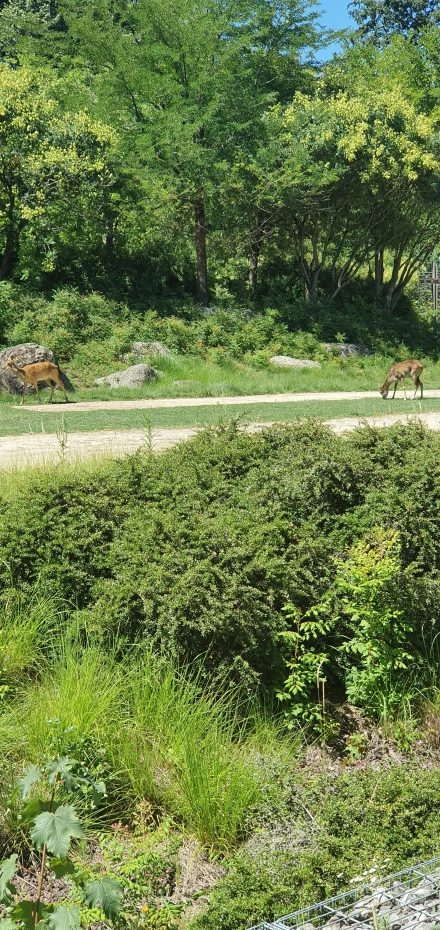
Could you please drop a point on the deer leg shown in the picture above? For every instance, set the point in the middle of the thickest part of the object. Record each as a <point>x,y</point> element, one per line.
<point>64,392</point>
<point>394,392</point>
<point>63,389</point>
<point>50,384</point>
<point>22,396</point>
<point>418,385</point>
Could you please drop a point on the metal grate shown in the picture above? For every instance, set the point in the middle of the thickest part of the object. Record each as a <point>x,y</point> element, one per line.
<point>342,907</point>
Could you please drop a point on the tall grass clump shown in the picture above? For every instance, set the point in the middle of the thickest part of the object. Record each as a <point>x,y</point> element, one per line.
<point>75,699</point>
<point>187,748</point>
<point>30,624</point>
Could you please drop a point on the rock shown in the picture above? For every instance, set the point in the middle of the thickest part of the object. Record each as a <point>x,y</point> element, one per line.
<point>185,383</point>
<point>346,349</point>
<point>284,361</point>
<point>26,354</point>
<point>130,377</point>
<point>142,350</point>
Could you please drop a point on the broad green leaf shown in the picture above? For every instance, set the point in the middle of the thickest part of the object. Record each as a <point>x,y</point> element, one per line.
<point>64,918</point>
<point>7,871</point>
<point>61,867</point>
<point>24,911</point>
<point>32,809</point>
<point>56,830</point>
<point>62,769</point>
<point>105,893</point>
<point>31,777</point>
<point>8,924</point>
<point>99,792</point>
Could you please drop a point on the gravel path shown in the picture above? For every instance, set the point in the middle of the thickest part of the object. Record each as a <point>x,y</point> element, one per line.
<point>41,448</point>
<point>165,402</point>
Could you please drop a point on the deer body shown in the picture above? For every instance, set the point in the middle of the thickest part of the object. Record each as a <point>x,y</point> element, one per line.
<point>398,372</point>
<point>38,371</point>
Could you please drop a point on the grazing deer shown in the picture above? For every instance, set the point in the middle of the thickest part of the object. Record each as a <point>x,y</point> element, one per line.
<point>38,371</point>
<point>398,372</point>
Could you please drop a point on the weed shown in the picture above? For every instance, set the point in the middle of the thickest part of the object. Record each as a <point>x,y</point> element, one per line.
<point>52,826</point>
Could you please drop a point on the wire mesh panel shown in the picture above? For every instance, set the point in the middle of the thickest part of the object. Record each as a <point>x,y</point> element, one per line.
<point>409,899</point>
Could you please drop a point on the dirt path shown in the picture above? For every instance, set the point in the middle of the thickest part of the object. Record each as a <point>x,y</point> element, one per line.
<point>39,449</point>
<point>165,402</point>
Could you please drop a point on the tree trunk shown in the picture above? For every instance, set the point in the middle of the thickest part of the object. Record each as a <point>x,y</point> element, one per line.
<point>200,239</point>
<point>311,286</point>
<point>253,269</point>
<point>378,274</point>
<point>8,258</point>
<point>254,257</point>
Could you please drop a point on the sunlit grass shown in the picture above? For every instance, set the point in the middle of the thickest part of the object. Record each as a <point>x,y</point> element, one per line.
<point>205,379</point>
<point>15,421</point>
<point>188,751</point>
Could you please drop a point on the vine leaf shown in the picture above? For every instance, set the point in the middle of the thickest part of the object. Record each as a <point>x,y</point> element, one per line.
<point>61,867</point>
<point>62,769</point>
<point>104,893</point>
<point>7,871</point>
<point>24,912</point>
<point>64,918</point>
<point>30,777</point>
<point>56,830</point>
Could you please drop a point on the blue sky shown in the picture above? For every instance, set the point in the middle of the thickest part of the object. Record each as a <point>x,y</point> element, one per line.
<point>334,15</point>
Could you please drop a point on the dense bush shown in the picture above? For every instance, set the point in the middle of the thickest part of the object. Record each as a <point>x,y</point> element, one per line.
<point>385,820</point>
<point>71,323</point>
<point>272,556</point>
<point>91,329</point>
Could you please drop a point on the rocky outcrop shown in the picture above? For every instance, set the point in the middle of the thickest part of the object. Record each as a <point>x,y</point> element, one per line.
<point>26,354</point>
<point>141,350</point>
<point>285,361</point>
<point>346,349</point>
<point>131,377</point>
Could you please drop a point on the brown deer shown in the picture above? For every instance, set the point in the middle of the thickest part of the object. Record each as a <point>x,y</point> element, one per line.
<point>398,372</point>
<point>38,371</point>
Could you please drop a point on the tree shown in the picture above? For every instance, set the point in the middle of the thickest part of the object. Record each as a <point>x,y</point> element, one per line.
<point>55,174</point>
<point>356,172</point>
<point>22,18</point>
<point>186,87</point>
<point>379,19</point>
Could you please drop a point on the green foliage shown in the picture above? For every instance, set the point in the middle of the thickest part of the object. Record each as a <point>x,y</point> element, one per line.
<point>361,820</point>
<point>29,624</point>
<point>52,827</point>
<point>147,720</point>
<point>55,830</point>
<point>56,164</point>
<point>200,551</point>
<point>197,735</point>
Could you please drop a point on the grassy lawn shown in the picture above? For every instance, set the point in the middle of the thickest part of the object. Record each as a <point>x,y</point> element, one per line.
<point>206,379</point>
<point>14,421</point>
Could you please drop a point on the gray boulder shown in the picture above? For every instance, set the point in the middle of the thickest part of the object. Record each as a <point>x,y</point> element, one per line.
<point>285,361</point>
<point>346,349</point>
<point>131,377</point>
<point>142,350</point>
<point>185,383</point>
<point>26,354</point>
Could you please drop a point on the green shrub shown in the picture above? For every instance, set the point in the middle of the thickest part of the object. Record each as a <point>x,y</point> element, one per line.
<point>219,548</point>
<point>352,823</point>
